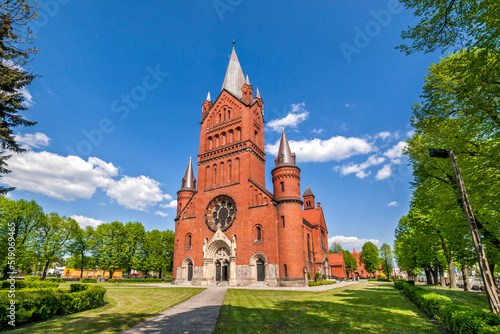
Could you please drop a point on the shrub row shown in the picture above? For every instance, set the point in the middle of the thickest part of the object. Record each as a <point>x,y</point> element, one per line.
<point>55,279</point>
<point>30,284</point>
<point>458,318</point>
<point>321,283</point>
<point>89,280</point>
<point>380,280</point>
<point>39,305</point>
<point>140,280</point>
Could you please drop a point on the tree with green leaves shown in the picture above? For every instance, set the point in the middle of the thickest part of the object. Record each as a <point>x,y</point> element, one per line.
<point>386,257</point>
<point>350,262</point>
<point>79,249</point>
<point>135,241</point>
<point>15,52</point>
<point>108,247</point>
<point>26,218</point>
<point>53,237</point>
<point>168,240</point>
<point>335,248</point>
<point>369,257</point>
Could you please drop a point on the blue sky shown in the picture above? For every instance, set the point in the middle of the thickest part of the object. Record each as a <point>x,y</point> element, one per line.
<point>118,104</point>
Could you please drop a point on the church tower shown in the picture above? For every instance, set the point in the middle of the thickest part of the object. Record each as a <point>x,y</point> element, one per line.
<point>229,228</point>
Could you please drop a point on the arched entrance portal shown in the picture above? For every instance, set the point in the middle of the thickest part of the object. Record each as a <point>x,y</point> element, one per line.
<point>261,273</point>
<point>222,265</point>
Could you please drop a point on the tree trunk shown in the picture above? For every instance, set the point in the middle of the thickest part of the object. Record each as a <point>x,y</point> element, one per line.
<point>81,272</point>
<point>434,277</point>
<point>465,275</point>
<point>44,271</point>
<point>441,274</point>
<point>111,272</point>
<point>428,274</point>
<point>453,276</point>
<point>5,271</point>
<point>129,270</point>
<point>159,273</point>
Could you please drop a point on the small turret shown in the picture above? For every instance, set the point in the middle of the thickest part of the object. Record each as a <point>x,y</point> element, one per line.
<point>188,181</point>
<point>308,199</point>
<point>247,92</point>
<point>207,105</point>
<point>285,156</point>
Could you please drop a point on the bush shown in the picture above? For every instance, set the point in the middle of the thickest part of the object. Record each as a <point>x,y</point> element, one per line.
<point>55,279</point>
<point>142,280</point>
<point>317,275</point>
<point>321,283</point>
<point>33,284</point>
<point>308,276</point>
<point>77,287</point>
<point>324,276</point>
<point>89,280</point>
<point>112,280</point>
<point>380,280</point>
<point>458,318</point>
<point>31,278</point>
<point>38,305</point>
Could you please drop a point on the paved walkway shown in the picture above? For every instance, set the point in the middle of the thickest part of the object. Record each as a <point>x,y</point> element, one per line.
<point>199,314</point>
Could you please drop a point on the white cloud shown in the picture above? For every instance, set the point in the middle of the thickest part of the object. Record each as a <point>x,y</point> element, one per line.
<point>171,204</point>
<point>396,151</point>
<point>317,150</point>
<point>31,140</point>
<point>384,135</point>
<point>297,115</point>
<point>343,127</point>
<point>359,169</point>
<point>137,193</point>
<point>159,213</point>
<point>28,99</point>
<point>396,161</point>
<point>66,178</point>
<point>384,172</point>
<point>86,221</point>
<point>410,133</point>
<point>393,204</point>
<point>318,131</point>
<point>350,242</point>
<point>70,178</point>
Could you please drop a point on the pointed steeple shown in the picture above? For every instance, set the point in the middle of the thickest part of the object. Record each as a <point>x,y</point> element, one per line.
<point>208,97</point>
<point>257,95</point>
<point>247,81</point>
<point>285,156</point>
<point>308,192</point>
<point>188,181</point>
<point>234,79</point>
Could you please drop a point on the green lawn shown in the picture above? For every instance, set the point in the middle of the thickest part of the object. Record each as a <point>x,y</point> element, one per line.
<point>368,307</point>
<point>469,298</point>
<point>126,306</point>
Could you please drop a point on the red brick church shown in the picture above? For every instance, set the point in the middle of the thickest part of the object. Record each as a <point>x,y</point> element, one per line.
<point>229,227</point>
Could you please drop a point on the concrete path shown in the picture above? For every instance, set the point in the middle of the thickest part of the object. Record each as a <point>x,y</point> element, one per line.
<point>198,314</point>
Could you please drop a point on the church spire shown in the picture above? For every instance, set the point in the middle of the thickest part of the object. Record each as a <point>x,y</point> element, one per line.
<point>285,156</point>
<point>257,95</point>
<point>234,78</point>
<point>208,97</point>
<point>188,181</point>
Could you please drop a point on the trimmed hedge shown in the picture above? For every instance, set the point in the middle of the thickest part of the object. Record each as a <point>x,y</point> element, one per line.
<point>140,280</point>
<point>321,283</point>
<point>39,305</point>
<point>78,287</point>
<point>89,280</point>
<point>458,318</point>
<point>34,284</point>
<point>32,278</point>
<point>55,279</point>
<point>380,280</point>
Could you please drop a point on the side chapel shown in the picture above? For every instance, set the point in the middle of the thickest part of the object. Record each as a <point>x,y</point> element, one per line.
<point>229,227</point>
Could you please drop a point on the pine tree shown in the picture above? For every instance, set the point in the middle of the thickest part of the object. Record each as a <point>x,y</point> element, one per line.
<point>15,54</point>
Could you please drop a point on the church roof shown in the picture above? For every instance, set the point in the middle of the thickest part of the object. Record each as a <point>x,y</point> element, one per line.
<point>308,192</point>
<point>285,156</point>
<point>234,79</point>
<point>188,181</point>
<point>335,259</point>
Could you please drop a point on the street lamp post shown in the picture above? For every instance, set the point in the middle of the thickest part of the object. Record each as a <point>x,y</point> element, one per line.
<point>489,284</point>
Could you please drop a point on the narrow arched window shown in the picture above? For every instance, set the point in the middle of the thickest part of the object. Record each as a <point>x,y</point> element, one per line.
<point>220,117</point>
<point>282,186</point>
<point>229,114</point>
<point>285,274</point>
<point>259,233</point>
<point>282,221</point>
<point>308,248</point>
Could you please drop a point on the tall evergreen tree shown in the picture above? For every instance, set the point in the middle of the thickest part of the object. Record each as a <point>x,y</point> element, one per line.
<point>15,53</point>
